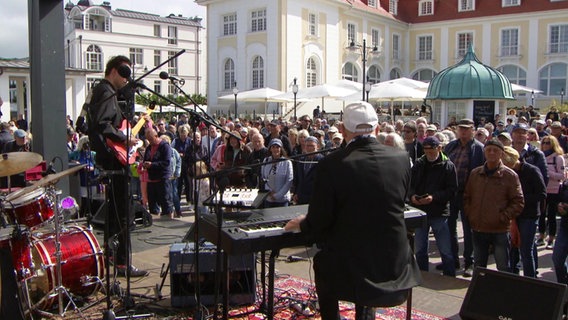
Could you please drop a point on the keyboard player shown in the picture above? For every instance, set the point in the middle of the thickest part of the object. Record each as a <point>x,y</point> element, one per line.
<point>356,215</point>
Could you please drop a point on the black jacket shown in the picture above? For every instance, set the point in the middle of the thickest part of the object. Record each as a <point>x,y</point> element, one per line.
<point>534,189</point>
<point>356,213</point>
<point>438,179</point>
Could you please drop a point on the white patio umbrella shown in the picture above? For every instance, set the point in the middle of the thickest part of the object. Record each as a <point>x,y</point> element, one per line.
<point>258,95</point>
<point>414,84</point>
<point>517,88</point>
<point>321,91</point>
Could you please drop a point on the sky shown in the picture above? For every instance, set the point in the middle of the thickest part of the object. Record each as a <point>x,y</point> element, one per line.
<point>14,19</point>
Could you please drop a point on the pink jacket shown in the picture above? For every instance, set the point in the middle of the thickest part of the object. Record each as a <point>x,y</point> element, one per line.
<point>555,172</point>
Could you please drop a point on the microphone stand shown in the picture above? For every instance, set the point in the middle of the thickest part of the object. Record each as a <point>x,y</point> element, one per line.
<point>196,118</point>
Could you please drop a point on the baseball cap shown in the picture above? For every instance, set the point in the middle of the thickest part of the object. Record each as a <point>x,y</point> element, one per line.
<point>332,129</point>
<point>466,123</point>
<point>506,135</point>
<point>431,141</point>
<point>274,122</point>
<point>337,135</point>
<point>500,123</point>
<point>360,117</point>
<point>312,139</point>
<point>244,130</point>
<point>20,133</point>
<point>520,126</point>
<point>483,131</point>
<point>275,141</point>
<point>431,127</point>
<point>496,143</point>
<point>556,124</point>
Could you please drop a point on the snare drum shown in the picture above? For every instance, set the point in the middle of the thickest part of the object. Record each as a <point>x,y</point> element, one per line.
<point>31,210</point>
<point>81,258</point>
<point>16,239</point>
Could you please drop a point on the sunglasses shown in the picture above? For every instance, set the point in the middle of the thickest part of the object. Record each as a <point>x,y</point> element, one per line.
<point>545,142</point>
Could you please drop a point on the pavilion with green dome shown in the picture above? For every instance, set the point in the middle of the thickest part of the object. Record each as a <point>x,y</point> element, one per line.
<point>468,89</point>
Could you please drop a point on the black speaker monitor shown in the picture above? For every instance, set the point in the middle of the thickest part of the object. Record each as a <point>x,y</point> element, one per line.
<point>500,295</point>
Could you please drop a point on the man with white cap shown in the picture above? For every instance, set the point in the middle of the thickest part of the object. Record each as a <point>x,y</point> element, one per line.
<point>358,221</point>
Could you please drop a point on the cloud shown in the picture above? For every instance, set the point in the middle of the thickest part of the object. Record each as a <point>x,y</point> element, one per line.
<point>14,19</point>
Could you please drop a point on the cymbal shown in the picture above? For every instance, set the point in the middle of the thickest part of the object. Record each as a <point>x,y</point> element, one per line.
<point>17,162</point>
<point>47,180</point>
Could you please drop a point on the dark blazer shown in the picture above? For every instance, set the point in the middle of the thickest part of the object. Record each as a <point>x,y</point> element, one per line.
<point>476,156</point>
<point>534,189</point>
<point>356,214</point>
<point>304,178</point>
<point>160,168</point>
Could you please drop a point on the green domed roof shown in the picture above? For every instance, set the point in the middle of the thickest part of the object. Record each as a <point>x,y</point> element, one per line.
<point>469,79</point>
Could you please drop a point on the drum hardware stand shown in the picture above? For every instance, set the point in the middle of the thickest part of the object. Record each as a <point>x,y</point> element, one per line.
<point>59,289</point>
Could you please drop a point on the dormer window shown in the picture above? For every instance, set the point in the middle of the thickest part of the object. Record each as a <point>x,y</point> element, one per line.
<point>372,3</point>
<point>393,7</point>
<point>511,3</point>
<point>466,5</point>
<point>426,8</point>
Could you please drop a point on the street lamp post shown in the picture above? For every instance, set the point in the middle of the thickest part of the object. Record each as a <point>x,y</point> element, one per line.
<point>295,91</point>
<point>235,92</point>
<point>364,65</point>
<point>532,98</point>
<point>353,47</point>
<point>561,96</point>
<point>367,89</point>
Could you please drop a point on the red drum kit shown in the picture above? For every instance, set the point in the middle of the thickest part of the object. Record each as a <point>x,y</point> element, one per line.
<point>52,258</point>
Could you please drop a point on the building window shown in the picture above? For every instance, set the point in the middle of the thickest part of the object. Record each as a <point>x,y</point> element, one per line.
<point>157,31</point>
<point>136,56</point>
<point>426,8</point>
<point>351,32</point>
<point>230,24</point>
<point>172,90</point>
<point>157,58</point>
<point>313,24</point>
<point>514,74</point>
<point>552,78</point>
<point>172,64</point>
<point>372,3</point>
<point>373,74</point>
<point>425,48</point>
<point>395,74</point>
<point>229,74</point>
<point>393,7</point>
<point>258,20</point>
<point>466,5</point>
<point>464,41</point>
<point>424,75</point>
<point>511,3</point>
<point>509,42</point>
<point>258,72</point>
<point>172,35</point>
<point>395,46</point>
<point>375,38</point>
<point>158,86</point>
<point>559,39</point>
<point>97,20</point>
<point>311,73</point>
<point>94,58</point>
<point>350,72</point>
<point>91,82</point>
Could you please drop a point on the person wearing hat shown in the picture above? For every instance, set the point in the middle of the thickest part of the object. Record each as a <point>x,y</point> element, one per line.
<point>467,154</point>
<point>304,171</point>
<point>500,128</point>
<point>534,192</point>
<point>556,131</point>
<point>493,196</point>
<point>275,132</point>
<point>236,155</point>
<point>528,152</point>
<point>433,184</point>
<point>430,130</point>
<point>358,221</point>
<point>505,139</point>
<point>412,145</point>
<point>277,176</point>
<point>19,143</point>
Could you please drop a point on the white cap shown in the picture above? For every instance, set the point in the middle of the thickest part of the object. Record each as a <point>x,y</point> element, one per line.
<point>360,117</point>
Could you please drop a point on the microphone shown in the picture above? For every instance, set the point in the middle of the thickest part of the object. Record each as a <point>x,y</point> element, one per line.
<point>50,169</point>
<point>165,76</point>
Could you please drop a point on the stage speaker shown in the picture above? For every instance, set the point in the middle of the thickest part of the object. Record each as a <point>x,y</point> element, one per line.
<point>242,276</point>
<point>501,295</point>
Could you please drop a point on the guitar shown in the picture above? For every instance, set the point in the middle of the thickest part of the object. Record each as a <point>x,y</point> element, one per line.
<point>119,148</point>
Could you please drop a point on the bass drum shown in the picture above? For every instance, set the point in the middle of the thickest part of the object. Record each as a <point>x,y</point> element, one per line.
<point>81,259</point>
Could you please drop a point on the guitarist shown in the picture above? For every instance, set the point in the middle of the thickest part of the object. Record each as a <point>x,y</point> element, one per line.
<point>104,119</point>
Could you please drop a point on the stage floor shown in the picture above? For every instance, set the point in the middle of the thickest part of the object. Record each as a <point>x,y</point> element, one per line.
<point>439,295</point>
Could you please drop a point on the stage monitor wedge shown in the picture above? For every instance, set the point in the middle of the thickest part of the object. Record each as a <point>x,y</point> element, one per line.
<point>500,295</point>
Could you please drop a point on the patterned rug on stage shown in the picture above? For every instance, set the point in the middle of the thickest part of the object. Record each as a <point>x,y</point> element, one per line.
<point>296,299</point>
